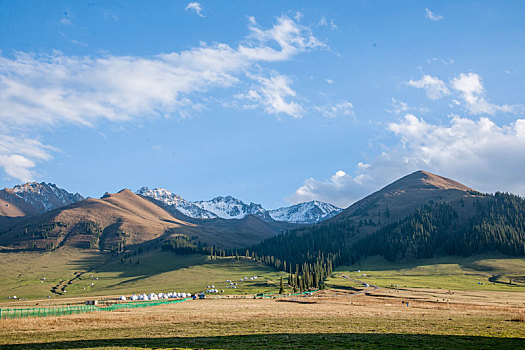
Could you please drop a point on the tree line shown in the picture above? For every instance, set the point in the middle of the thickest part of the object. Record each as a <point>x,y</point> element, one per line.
<point>496,225</point>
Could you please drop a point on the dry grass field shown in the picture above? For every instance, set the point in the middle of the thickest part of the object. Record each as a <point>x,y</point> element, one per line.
<point>452,303</point>
<point>329,319</point>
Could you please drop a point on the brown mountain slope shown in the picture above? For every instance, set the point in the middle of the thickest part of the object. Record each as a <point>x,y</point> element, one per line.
<point>230,233</point>
<point>10,209</point>
<point>124,220</point>
<point>403,197</point>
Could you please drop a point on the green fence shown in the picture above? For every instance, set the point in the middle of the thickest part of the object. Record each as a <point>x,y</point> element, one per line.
<point>10,313</point>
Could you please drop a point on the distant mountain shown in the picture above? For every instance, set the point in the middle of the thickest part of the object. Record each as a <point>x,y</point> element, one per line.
<point>219,207</point>
<point>124,221</point>
<point>34,198</point>
<point>185,207</point>
<point>115,221</point>
<point>305,213</point>
<point>401,198</point>
<point>232,208</point>
<point>420,215</point>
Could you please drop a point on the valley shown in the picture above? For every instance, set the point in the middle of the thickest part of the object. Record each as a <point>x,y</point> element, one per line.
<point>423,248</point>
<point>337,317</point>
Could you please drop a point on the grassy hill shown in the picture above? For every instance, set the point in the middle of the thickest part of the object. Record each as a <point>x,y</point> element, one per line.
<point>76,269</point>
<point>401,198</point>
<point>421,215</point>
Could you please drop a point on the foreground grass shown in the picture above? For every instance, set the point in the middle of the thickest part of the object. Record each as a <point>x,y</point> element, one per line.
<point>290,340</point>
<point>452,273</point>
<point>327,322</point>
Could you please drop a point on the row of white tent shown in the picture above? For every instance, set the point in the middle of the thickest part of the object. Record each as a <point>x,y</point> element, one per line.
<point>153,296</point>
<point>249,278</point>
<point>175,295</point>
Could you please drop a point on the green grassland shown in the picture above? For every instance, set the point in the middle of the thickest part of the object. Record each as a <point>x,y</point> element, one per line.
<point>439,273</point>
<point>160,271</point>
<point>156,271</point>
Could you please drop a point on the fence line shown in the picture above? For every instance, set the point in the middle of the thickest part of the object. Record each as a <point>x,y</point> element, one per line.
<point>10,313</point>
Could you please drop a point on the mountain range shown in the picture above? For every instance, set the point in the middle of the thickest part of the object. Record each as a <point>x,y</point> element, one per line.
<point>44,216</point>
<point>419,215</point>
<point>232,208</point>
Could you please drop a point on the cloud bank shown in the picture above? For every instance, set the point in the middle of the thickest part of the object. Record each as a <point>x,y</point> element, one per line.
<point>52,90</point>
<point>479,153</point>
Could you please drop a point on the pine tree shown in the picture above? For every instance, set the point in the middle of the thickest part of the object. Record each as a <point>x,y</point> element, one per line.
<point>281,288</point>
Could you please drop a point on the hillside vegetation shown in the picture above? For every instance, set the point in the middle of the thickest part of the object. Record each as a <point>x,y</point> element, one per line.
<point>84,272</point>
<point>440,217</point>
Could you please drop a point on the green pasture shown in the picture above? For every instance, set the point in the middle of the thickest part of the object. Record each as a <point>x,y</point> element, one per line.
<point>455,273</point>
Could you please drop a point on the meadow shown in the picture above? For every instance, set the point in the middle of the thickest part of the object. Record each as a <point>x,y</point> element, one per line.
<point>435,304</point>
<point>455,273</point>
<point>156,271</point>
<point>329,319</point>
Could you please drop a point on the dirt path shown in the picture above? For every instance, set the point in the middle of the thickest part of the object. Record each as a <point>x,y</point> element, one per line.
<point>363,283</point>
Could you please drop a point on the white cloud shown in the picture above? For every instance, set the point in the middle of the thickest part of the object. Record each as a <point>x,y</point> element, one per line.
<point>434,87</point>
<point>39,91</point>
<point>487,156</point>
<point>432,16</point>
<point>444,61</point>
<point>290,36</point>
<point>340,189</point>
<point>109,15</point>
<point>18,156</point>
<point>329,81</point>
<point>273,93</point>
<point>52,89</point>
<point>323,22</point>
<point>471,88</point>
<point>400,107</point>
<point>340,108</point>
<point>195,6</point>
<point>65,21</point>
<point>478,153</point>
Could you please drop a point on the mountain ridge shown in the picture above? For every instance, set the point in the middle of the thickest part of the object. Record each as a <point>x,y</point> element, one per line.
<point>34,198</point>
<point>305,213</point>
<point>228,207</point>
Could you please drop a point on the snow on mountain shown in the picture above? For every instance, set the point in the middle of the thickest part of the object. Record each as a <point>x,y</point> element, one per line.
<point>185,207</point>
<point>233,208</point>
<point>305,213</point>
<point>42,197</point>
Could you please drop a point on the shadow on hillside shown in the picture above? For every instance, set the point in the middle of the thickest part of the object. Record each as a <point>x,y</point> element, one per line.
<point>378,263</point>
<point>138,267</point>
<point>156,262</point>
<point>300,341</point>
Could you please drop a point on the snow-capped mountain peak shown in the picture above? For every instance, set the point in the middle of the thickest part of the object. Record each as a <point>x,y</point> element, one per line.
<point>171,199</point>
<point>228,207</point>
<point>232,208</point>
<point>42,197</point>
<point>305,213</point>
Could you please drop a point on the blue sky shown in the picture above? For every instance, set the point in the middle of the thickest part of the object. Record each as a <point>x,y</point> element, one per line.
<point>274,102</point>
